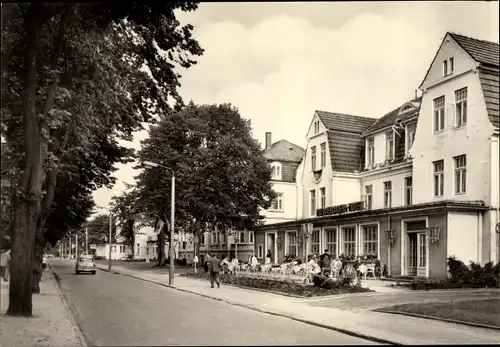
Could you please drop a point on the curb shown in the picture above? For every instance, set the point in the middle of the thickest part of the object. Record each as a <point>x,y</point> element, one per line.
<point>329,327</point>
<point>79,333</point>
<point>448,320</point>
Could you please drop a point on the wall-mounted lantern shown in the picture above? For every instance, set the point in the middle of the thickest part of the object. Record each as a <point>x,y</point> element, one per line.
<point>390,235</point>
<point>433,234</point>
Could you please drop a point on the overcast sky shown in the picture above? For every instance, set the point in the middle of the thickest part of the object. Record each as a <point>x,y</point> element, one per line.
<point>279,62</point>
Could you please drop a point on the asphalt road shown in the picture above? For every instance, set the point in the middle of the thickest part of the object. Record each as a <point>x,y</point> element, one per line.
<point>115,310</point>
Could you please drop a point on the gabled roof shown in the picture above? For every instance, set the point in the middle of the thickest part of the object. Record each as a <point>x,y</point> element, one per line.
<point>344,122</point>
<point>344,139</point>
<point>484,52</point>
<point>489,77</point>
<point>284,150</point>
<point>391,117</point>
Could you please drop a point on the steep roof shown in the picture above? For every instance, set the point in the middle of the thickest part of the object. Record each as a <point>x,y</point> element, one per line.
<point>284,150</point>
<point>484,52</point>
<point>344,122</point>
<point>344,139</point>
<point>489,77</point>
<point>391,117</point>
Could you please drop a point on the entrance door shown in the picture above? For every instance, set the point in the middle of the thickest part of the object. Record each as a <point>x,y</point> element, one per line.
<point>422,255</point>
<point>271,245</point>
<point>412,254</point>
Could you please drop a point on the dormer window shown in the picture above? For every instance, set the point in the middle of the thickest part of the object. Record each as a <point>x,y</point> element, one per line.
<point>370,151</point>
<point>276,171</point>
<point>410,136</point>
<point>389,145</point>
<point>316,127</point>
<point>448,66</point>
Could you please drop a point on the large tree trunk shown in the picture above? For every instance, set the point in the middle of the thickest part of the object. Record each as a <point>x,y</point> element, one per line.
<point>161,246</point>
<point>37,258</point>
<point>28,201</point>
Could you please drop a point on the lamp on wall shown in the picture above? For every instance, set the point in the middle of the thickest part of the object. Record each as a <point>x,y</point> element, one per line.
<point>390,235</point>
<point>433,234</point>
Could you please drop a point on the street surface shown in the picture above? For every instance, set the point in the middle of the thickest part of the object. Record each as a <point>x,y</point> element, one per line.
<point>114,310</point>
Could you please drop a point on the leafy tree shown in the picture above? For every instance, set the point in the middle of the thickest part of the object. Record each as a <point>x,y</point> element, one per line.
<point>71,75</point>
<point>219,168</point>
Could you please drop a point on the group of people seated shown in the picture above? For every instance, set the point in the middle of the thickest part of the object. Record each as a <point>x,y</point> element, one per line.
<point>230,264</point>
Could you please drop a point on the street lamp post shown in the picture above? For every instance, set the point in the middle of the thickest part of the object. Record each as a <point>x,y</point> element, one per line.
<point>110,235</point>
<point>172,220</point>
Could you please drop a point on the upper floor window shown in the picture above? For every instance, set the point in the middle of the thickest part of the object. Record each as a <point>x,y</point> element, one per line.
<point>370,151</point>
<point>369,197</point>
<point>250,236</point>
<point>387,194</point>
<point>277,204</point>
<point>316,127</point>
<point>438,178</point>
<point>461,107</point>
<point>322,197</point>
<point>276,171</point>
<point>313,157</point>
<point>323,154</point>
<point>389,145</point>
<point>410,136</point>
<point>408,190</point>
<point>448,66</point>
<point>202,241</point>
<point>438,114</point>
<point>313,202</point>
<point>460,174</point>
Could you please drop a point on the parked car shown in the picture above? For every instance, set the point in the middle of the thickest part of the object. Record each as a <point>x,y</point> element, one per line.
<point>44,262</point>
<point>85,264</point>
<point>126,258</point>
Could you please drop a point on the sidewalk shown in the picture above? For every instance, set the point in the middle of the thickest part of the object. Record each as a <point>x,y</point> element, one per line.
<point>380,327</point>
<point>51,325</point>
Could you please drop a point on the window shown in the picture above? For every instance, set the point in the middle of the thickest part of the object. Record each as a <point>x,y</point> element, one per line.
<point>370,151</point>
<point>291,241</point>
<point>113,249</point>
<point>315,242</point>
<point>316,127</point>
<point>222,238</point>
<point>276,171</point>
<point>410,136</point>
<point>212,240</point>
<point>461,107</point>
<point>369,196</point>
<point>389,145</point>
<point>422,259</point>
<point>439,114</point>
<point>242,237</point>
<point>202,239</point>
<point>313,202</point>
<point>260,251</point>
<point>322,196</point>
<point>438,178</point>
<point>460,174</point>
<point>323,154</point>
<point>313,157</point>
<point>448,66</point>
<point>331,242</point>
<point>122,249</point>
<point>408,190</point>
<point>250,236</point>
<point>138,249</point>
<point>387,194</point>
<point>349,241</point>
<point>277,204</point>
<point>370,240</point>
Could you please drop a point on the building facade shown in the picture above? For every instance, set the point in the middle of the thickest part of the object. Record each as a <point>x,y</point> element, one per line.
<point>413,187</point>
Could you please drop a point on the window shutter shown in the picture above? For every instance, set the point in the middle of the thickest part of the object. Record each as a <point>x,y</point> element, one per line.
<point>450,115</point>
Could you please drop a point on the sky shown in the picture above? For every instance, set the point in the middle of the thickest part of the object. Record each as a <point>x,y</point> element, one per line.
<point>279,62</point>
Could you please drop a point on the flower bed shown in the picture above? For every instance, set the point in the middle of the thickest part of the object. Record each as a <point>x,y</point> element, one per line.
<point>282,287</point>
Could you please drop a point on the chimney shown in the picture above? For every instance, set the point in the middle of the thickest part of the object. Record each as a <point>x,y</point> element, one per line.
<point>416,93</point>
<point>268,140</point>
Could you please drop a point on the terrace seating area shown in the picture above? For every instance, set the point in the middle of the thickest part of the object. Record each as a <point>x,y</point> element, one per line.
<point>300,272</point>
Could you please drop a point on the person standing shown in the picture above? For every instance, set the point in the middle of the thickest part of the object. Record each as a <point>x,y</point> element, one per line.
<point>324,261</point>
<point>268,256</point>
<point>252,260</point>
<point>195,263</point>
<point>5,265</point>
<point>214,266</point>
<point>205,264</point>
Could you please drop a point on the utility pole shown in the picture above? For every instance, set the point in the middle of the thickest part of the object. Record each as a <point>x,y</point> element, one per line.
<point>87,241</point>
<point>76,246</point>
<point>69,238</point>
<point>109,241</point>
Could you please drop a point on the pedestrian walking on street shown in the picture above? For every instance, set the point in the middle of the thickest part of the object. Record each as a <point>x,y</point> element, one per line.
<point>5,265</point>
<point>214,266</point>
<point>205,264</point>
<point>195,263</point>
